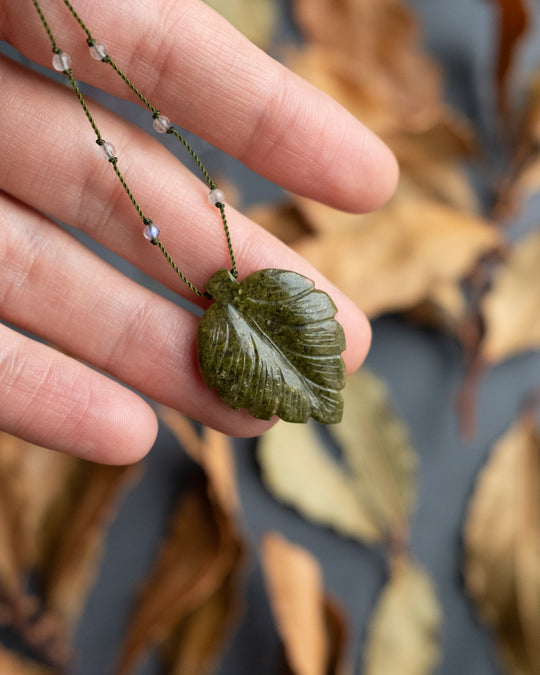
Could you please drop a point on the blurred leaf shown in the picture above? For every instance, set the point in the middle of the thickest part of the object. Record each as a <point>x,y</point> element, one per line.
<point>513,20</point>
<point>376,447</point>
<point>295,588</point>
<point>502,545</point>
<point>511,309</point>
<point>198,639</point>
<point>368,56</point>
<point>523,178</point>
<point>13,664</point>
<point>403,636</point>
<point>298,470</point>
<point>74,532</point>
<point>369,495</point>
<point>199,553</point>
<point>392,258</point>
<point>212,450</point>
<point>256,19</point>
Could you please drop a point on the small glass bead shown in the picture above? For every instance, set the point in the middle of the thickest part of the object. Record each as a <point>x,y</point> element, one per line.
<point>216,197</point>
<point>61,62</point>
<point>162,124</point>
<point>98,51</point>
<point>108,150</point>
<point>151,231</point>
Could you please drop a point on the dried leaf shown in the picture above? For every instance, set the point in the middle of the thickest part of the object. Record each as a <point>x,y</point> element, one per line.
<point>213,452</point>
<point>74,533</point>
<point>199,553</point>
<point>511,309</point>
<point>394,257</point>
<point>513,20</point>
<point>403,636</point>
<point>299,471</point>
<point>294,582</point>
<point>13,664</point>
<point>376,446</point>
<point>369,53</point>
<point>256,19</point>
<point>502,545</point>
<point>270,344</point>
<point>523,178</point>
<point>197,641</point>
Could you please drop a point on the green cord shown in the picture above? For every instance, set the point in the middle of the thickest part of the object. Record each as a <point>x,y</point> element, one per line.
<point>114,160</point>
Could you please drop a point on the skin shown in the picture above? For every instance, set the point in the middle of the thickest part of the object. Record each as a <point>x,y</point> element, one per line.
<point>210,80</point>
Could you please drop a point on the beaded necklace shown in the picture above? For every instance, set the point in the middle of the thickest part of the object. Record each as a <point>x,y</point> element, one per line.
<point>269,343</point>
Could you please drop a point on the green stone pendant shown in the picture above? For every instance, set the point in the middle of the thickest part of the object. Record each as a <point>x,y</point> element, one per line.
<point>271,344</point>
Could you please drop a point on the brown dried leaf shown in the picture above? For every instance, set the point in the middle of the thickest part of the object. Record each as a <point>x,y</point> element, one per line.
<point>371,50</point>
<point>13,664</point>
<point>299,471</point>
<point>197,641</point>
<point>404,633</point>
<point>523,179</point>
<point>74,532</point>
<point>200,551</point>
<point>393,257</point>
<point>376,447</point>
<point>511,309</point>
<point>513,20</point>
<point>294,582</point>
<point>502,545</point>
<point>213,452</point>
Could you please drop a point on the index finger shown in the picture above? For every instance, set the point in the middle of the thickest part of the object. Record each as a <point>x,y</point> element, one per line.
<point>203,74</point>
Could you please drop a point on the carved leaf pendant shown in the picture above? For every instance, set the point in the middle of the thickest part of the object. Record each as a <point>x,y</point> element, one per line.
<point>271,344</point>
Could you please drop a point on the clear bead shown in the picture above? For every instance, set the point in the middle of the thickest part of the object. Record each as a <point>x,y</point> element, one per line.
<point>216,197</point>
<point>162,124</point>
<point>151,231</point>
<point>98,51</point>
<point>108,150</point>
<point>61,62</point>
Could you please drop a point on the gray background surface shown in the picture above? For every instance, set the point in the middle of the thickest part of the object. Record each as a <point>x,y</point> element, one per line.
<point>423,370</point>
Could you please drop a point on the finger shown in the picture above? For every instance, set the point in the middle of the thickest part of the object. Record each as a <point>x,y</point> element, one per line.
<point>95,313</point>
<point>208,78</point>
<point>69,179</point>
<point>52,400</point>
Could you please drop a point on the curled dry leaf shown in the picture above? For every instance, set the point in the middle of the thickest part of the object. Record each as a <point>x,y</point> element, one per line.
<point>299,471</point>
<point>367,496</point>
<point>511,309</point>
<point>513,20</point>
<point>73,535</point>
<point>295,588</point>
<point>200,552</point>
<point>13,664</point>
<point>198,639</point>
<point>502,545</point>
<point>403,636</point>
<point>392,259</point>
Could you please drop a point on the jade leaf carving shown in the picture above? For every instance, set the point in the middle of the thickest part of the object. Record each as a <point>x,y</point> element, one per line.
<point>271,344</point>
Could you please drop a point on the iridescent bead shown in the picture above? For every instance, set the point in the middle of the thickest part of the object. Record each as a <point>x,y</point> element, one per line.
<point>162,124</point>
<point>61,62</point>
<point>151,231</point>
<point>108,150</point>
<point>98,51</point>
<point>216,197</point>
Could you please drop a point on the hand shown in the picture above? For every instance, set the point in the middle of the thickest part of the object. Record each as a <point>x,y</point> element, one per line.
<point>207,78</point>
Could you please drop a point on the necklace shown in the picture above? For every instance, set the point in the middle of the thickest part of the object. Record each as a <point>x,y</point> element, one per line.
<point>269,343</point>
